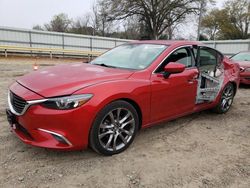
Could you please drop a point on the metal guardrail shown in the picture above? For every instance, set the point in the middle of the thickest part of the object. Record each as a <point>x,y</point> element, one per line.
<point>56,40</point>
<point>56,43</point>
<point>50,51</point>
<point>229,47</point>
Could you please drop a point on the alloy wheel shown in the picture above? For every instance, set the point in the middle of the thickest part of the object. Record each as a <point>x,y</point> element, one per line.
<point>227,98</point>
<point>116,129</point>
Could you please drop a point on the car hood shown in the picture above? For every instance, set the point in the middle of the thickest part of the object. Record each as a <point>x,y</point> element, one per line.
<point>244,64</point>
<point>67,78</point>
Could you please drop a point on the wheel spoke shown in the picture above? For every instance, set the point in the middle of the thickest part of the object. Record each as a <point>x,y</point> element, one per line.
<point>226,103</point>
<point>111,115</point>
<point>104,126</point>
<point>230,94</point>
<point>105,133</point>
<point>123,139</point>
<point>227,91</point>
<point>118,114</point>
<point>223,104</point>
<point>109,141</point>
<point>126,132</point>
<point>114,143</point>
<point>125,118</point>
<point>128,122</point>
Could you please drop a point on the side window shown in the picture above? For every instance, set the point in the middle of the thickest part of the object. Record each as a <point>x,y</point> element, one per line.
<point>182,55</point>
<point>208,59</point>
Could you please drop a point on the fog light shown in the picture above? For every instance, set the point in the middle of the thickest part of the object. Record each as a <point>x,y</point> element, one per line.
<point>59,139</point>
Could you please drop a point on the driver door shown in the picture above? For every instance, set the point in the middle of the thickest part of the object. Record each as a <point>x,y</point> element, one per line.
<point>175,95</point>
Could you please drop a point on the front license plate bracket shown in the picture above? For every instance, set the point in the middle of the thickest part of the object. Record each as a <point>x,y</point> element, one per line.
<point>11,118</point>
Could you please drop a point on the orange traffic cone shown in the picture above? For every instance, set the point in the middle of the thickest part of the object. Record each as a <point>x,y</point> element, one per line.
<point>35,67</point>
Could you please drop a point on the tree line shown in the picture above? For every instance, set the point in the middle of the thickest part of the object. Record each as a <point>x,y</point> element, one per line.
<point>157,19</point>
<point>230,22</point>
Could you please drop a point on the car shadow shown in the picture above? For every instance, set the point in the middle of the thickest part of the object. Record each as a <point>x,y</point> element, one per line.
<point>244,86</point>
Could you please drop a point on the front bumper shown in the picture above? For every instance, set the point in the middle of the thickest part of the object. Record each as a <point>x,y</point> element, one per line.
<point>37,137</point>
<point>49,128</point>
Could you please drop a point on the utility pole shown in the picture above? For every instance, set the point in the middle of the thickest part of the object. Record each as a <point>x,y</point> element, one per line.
<point>202,4</point>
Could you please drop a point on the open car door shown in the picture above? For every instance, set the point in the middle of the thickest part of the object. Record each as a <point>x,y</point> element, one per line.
<point>211,74</point>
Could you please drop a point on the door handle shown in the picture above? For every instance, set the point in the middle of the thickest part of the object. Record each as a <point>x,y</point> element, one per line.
<point>190,81</point>
<point>192,78</point>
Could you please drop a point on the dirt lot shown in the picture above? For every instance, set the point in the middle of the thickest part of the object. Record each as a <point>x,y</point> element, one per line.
<point>200,150</point>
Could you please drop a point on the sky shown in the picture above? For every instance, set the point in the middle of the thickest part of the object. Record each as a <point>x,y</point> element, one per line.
<point>27,13</point>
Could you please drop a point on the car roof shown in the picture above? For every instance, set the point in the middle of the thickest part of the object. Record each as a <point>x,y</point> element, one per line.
<point>168,42</point>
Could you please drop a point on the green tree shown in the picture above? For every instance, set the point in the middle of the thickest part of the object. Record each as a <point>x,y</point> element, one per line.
<point>81,25</point>
<point>231,22</point>
<point>157,15</point>
<point>239,15</point>
<point>210,23</point>
<point>38,27</point>
<point>59,23</point>
<point>105,24</point>
<point>227,29</point>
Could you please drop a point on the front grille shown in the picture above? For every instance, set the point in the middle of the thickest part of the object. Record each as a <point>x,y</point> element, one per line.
<point>17,103</point>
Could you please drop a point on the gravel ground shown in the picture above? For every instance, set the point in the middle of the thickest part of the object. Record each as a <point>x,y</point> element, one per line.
<point>199,150</point>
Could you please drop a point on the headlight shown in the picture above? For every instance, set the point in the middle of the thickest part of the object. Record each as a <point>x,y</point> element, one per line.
<point>68,102</point>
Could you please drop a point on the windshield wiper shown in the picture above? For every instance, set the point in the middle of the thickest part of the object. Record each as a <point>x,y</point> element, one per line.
<point>105,65</point>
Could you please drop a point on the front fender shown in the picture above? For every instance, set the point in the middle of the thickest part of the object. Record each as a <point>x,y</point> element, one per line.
<point>107,92</point>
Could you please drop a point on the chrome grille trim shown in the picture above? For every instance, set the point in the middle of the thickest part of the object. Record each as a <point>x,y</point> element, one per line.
<point>23,105</point>
<point>17,102</point>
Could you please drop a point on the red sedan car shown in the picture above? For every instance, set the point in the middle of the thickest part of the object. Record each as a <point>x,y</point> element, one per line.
<point>243,59</point>
<point>104,103</point>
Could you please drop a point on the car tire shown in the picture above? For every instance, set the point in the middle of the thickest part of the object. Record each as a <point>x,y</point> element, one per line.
<point>226,99</point>
<point>114,128</point>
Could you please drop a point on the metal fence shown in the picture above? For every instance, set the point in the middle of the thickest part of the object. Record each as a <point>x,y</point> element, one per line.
<point>229,47</point>
<point>55,40</point>
<point>65,41</point>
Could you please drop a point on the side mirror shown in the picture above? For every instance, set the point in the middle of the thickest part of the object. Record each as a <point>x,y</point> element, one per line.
<point>173,68</point>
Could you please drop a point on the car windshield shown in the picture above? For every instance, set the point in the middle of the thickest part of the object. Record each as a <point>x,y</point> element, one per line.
<point>130,56</point>
<point>243,56</point>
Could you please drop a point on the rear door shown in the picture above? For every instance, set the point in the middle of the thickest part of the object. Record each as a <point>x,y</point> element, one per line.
<point>175,95</point>
<point>209,63</point>
<point>208,59</point>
